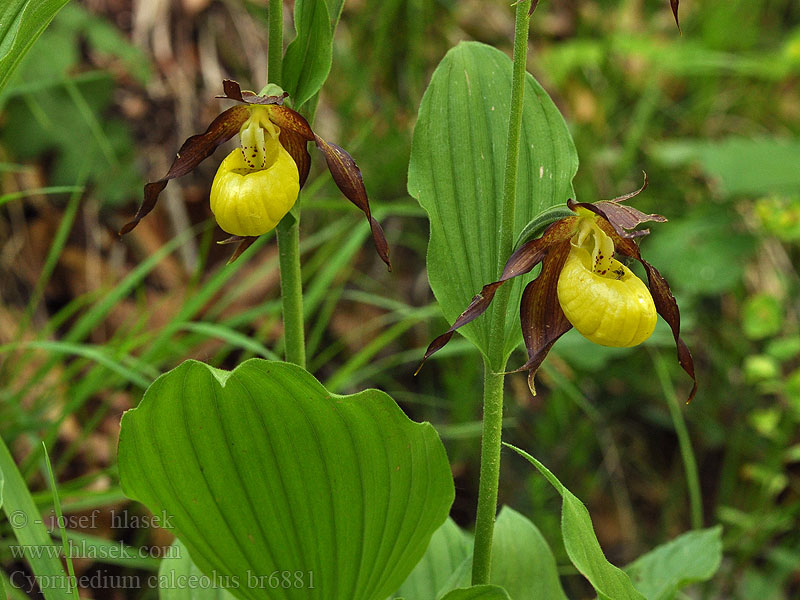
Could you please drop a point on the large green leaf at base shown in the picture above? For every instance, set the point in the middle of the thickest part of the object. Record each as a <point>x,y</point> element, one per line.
<point>449,547</point>
<point>180,579</point>
<point>456,173</point>
<point>262,469</point>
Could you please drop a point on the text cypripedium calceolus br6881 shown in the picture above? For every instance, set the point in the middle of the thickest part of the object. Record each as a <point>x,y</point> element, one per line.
<point>582,285</point>
<point>258,183</point>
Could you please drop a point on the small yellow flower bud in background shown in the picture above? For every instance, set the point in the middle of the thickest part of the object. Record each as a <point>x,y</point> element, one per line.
<point>600,296</point>
<point>257,184</point>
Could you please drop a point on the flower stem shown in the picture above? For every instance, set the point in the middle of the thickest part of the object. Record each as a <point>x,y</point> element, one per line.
<point>275,49</point>
<point>491,442</point>
<point>288,230</point>
<point>495,363</point>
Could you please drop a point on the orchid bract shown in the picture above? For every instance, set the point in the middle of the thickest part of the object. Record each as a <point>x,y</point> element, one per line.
<point>582,285</point>
<point>258,183</point>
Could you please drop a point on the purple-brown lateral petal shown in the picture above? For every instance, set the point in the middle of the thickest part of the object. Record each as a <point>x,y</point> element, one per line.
<point>296,145</point>
<point>520,262</point>
<point>234,92</point>
<point>193,151</point>
<point>542,319</point>
<point>665,302</point>
<point>288,119</point>
<point>348,179</point>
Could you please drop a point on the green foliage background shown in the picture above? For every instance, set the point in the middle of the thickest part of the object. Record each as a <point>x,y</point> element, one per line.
<point>713,116</point>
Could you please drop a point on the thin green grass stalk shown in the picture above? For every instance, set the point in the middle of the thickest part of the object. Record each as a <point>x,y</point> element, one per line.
<point>495,363</point>
<point>89,320</point>
<point>60,517</point>
<point>56,248</point>
<point>684,443</point>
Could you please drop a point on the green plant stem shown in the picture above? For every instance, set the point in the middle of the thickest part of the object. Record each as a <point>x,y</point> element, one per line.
<point>288,232</point>
<point>494,364</point>
<point>684,443</point>
<point>275,49</point>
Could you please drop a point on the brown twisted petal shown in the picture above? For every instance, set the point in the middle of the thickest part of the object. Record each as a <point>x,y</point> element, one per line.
<point>343,168</point>
<point>286,118</point>
<point>543,321</point>
<point>665,302</point>
<point>632,194</point>
<point>245,243</point>
<point>348,179</point>
<point>674,5</point>
<point>296,145</point>
<point>234,92</point>
<point>521,262</point>
<point>193,151</point>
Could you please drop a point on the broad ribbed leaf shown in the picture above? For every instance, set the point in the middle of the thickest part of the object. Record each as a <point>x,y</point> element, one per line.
<point>263,470</point>
<point>456,174</point>
<point>525,566</point>
<point>580,541</point>
<point>689,558</point>
<point>449,546</point>
<point>522,563</point>
<point>21,24</point>
<point>478,592</point>
<point>308,58</point>
<point>180,579</point>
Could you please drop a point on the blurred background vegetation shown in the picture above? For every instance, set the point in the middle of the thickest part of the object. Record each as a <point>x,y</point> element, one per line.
<point>106,96</point>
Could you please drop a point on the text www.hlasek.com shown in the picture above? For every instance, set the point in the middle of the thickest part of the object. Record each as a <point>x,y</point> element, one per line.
<point>83,549</point>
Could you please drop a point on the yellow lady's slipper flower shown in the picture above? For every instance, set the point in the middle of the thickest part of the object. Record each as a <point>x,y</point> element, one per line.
<point>258,183</point>
<point>582,285</point>
<point>600,296</point>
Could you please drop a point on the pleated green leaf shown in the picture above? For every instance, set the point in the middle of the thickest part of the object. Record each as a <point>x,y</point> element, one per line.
<point>689,558</point>
<point>478,592</point>
<point>522,563</point>
<point>449,546</point>
<point>308,58</point>
<point>180,579</point>
<point>525,566</point>
<point>21,24</point>
<point>456,173</point>
<point>580,541</point>
<point>263,471</point>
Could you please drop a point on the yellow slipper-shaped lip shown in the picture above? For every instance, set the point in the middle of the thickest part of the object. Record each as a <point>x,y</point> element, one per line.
<point>611,309</point>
